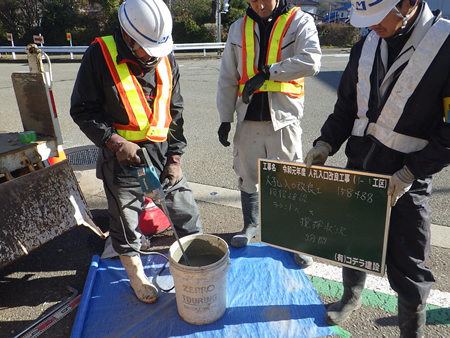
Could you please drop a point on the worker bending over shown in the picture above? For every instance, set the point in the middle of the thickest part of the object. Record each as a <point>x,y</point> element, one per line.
<point>127,96</point>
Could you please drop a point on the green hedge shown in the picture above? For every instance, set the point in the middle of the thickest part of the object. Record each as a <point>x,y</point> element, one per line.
<point>338,35</point>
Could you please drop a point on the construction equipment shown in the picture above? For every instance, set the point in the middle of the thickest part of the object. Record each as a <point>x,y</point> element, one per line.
<point>40,198</point>
<point>152,188</point>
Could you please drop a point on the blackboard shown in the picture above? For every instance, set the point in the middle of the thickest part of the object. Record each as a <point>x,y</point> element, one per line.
<point>337,214</point>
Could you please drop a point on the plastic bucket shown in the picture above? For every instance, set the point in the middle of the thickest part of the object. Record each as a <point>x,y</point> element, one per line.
<point>201,287</point>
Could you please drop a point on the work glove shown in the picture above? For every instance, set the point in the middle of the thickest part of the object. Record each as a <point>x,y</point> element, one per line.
<point>255,83</point>
<point>318,154</point>
<point>127,155</point>
<point>401,182</point>
<point>223,132</point>
<point>125,150</point>
<point>172,171</point>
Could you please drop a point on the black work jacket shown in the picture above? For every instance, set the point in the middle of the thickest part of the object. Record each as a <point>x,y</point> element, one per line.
<point>96,104</point>
<point>423,117</point>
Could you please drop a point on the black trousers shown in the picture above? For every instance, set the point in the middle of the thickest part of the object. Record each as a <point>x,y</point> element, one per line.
<point>409,244</point>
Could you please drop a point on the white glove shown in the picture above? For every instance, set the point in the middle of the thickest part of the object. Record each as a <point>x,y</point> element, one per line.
<point>401,182</point>
<point>318,154</point>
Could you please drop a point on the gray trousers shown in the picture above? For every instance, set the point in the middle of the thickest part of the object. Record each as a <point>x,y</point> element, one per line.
<point>255,139</point>
<point>125,200</point>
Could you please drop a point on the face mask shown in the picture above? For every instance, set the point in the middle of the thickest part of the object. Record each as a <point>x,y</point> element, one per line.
<point>134,46</point>
<point>151,63</point>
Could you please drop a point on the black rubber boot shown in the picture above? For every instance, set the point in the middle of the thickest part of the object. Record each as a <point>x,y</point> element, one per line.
<point>250,211</point>
<point>353,281</point>
<point>243,238</point>
<point>411,319</point>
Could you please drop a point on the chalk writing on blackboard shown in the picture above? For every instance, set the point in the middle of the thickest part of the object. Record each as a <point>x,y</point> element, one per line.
<point>333,213</point>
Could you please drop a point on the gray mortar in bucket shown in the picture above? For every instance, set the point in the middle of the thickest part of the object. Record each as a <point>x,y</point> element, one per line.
<point>199,248</point>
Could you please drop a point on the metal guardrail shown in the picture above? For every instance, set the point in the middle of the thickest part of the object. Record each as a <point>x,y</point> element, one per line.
<point>82,49</point>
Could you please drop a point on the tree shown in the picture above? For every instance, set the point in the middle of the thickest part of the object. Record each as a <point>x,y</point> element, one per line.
<point>59,17</point>
<point>95,18</point>
<point>3,31</point>
<point>22,18</point>
<point>194,20</point>
<point>190,17</point>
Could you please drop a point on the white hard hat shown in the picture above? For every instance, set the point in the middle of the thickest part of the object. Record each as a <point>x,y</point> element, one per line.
<point>366,13</point>
<point>149,23</point>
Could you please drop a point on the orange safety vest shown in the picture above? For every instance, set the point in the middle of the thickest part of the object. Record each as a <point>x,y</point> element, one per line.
<point>293,88</point>
<point>144,124</point>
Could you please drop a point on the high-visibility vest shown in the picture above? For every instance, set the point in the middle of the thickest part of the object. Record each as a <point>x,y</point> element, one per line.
<point>144,124</point>
<point>420,61</point>
<point>293,88</point>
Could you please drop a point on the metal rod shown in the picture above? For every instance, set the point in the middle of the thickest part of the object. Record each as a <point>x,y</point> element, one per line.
<point>174,230</point>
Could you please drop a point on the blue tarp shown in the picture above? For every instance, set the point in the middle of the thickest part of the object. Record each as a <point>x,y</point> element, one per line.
<point>267,296</point>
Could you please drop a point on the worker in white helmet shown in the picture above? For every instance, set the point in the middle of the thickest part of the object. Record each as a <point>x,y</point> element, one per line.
<point>268,54</point>
<point>392,109</point>
<point>127,96</point>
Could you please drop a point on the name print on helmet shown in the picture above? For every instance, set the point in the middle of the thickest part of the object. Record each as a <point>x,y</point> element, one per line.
<point>164,39</point>
<point>361,5</point>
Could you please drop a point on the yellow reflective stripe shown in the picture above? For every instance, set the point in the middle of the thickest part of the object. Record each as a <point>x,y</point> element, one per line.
<point>162,104</point>
<point>126,78</point>
<point>284,87</point>
<point>293,88</point>
<point>144,124</point>
<point>447,109</point>
<point>157,131</point>
<point>276,37</point>
<point>133,98</point>
<point>250,47</point>
<point>131,135</point>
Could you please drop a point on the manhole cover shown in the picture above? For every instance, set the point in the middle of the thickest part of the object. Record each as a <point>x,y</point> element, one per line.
<point>83,157</point>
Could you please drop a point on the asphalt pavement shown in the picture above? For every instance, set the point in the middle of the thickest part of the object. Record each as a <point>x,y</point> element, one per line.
<point>38,282</point>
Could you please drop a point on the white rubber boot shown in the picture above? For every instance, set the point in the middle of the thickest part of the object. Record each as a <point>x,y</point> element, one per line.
<point>145,291</point>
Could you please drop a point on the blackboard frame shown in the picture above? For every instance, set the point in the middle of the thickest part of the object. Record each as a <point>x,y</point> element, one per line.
<point>336,214</point>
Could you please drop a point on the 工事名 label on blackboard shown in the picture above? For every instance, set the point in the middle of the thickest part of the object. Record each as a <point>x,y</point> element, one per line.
<point>336,214</point>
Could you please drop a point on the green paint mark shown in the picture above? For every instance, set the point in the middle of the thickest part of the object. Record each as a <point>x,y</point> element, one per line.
<point>438,315</point>
<point>388,303</point>
<point>340,331</point>
<point>332,289</point>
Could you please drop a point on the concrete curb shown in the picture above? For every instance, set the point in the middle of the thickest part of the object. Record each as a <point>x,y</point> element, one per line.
<point>92,186</point>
